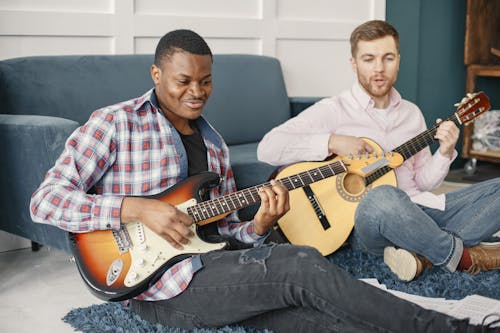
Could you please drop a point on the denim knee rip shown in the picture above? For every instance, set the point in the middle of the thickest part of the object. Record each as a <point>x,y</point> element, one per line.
<point>256,255</point>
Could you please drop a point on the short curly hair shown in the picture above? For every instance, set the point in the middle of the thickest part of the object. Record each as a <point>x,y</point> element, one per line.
<point>372,30</point>
<point>178,41</point>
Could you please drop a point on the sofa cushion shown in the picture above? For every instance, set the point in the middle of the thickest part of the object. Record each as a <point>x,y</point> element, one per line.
<point>71,86</point>
<point>248,171</point>
<point>249,95</point>
<point>31,146</point>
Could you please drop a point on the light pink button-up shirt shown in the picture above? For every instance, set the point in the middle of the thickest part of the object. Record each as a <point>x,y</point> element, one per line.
<point>305,138</point>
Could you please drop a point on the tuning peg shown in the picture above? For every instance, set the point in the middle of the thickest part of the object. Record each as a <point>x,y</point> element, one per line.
<point>464,99</point>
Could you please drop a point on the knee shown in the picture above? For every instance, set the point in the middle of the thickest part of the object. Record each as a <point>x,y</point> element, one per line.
<point>494,185</point>
<point>381,205</point>
<point>382,200</point>
<point>384,192</point>
<point>304,263</point>
<point>298,255</point>
<point>301,251</point>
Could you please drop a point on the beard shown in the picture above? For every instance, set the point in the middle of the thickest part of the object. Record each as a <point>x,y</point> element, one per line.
<point>375,90</point>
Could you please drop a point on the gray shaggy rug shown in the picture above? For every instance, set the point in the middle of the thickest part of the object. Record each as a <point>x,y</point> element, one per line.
<point>113,317</point>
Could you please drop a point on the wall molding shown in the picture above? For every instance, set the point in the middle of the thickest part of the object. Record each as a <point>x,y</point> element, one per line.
<point>309,37</point>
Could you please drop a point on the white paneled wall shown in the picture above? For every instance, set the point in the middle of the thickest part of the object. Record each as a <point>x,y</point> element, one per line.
<point>309,37</point>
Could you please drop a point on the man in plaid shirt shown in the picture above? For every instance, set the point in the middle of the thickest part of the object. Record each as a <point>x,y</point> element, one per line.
<point>144,146</point>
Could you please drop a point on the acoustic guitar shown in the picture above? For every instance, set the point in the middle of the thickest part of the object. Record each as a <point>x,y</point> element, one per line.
<point>120,264</point>
<point>321,215</point>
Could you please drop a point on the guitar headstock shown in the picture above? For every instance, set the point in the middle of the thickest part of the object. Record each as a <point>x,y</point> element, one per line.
<point>471,106</point>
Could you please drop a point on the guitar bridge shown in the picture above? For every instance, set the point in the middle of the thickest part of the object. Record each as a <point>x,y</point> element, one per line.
<point>320,214</point>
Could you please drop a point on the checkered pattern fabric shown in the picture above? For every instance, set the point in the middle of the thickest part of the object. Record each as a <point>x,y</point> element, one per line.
<point>129,149</point>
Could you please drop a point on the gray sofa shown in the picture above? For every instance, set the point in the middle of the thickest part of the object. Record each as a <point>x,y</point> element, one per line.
<point>43,99</point>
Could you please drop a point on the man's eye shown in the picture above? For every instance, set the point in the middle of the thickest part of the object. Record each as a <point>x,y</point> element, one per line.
<point>206,83</point>
<point>182,81</point>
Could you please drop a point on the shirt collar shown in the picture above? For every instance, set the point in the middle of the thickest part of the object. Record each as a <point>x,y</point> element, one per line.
<point>204,126</point>
<point>153,99</point>
<point>148,97</point>
<point>366,102</point>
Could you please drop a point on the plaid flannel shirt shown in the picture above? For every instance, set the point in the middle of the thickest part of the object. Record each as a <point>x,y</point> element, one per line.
<point>130,149</point>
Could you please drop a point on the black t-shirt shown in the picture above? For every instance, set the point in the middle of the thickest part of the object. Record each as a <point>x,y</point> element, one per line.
<point>196,152</point>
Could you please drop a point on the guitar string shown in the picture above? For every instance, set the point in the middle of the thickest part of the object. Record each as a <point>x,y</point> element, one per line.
<point>241,198</point>
<point>426,138</point>
<point>204,210</point>
<point>249,196</point>
<point>407,150</point>
<point>467,111</point>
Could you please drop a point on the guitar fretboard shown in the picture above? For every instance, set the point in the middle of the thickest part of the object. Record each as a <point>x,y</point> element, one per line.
<point>410,148</point>
<point>468,110</point>
<point>249,196</point>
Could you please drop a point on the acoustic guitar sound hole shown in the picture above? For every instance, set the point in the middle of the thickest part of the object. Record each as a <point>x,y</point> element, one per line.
<point>351,187</point>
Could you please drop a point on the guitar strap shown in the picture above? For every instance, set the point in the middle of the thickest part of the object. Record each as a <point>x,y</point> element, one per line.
<point>210,234</point>
<point>276,236</point>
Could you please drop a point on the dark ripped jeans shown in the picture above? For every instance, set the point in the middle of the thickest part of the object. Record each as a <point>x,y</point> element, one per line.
<point>288,288</point>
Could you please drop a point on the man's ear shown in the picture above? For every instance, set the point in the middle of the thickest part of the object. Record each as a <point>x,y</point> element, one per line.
<point>155,74</point>
<point>353,65</point>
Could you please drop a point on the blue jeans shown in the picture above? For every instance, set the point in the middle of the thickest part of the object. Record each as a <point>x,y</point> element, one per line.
<point>387,217</point>
<point>289,288</point>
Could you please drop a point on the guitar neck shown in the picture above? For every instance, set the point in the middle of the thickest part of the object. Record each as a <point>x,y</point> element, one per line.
<point>411,147</point>
<point>249,196</point>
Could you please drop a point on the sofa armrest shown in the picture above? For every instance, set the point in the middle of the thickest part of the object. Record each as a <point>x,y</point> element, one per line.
<point>299,104</point>
<point>30,146</point>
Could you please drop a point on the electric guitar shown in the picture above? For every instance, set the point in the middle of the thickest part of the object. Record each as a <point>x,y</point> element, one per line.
<point>120,264</point>
<point>322,214</point>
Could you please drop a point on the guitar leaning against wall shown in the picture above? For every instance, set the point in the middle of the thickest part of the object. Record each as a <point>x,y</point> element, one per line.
<point>322,214</point>
<point>120,264</point>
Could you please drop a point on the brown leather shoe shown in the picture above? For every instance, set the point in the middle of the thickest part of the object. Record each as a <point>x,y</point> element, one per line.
<point>405,264</point>
<point>424,261</point>
<point>484,257</point>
